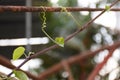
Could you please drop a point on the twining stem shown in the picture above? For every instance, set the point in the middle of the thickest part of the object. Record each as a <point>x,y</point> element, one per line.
<point>63,9</point>
<point>57,38</point>
<point>44,26</point>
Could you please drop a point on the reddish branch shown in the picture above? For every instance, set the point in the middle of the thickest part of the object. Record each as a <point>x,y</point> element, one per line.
<point>68,38</point>
<point>75,59</point>
<point>66,67</point>
<point>99,66</point>
<point>5,62</point>
<point>70,61</point>
<point>49,9</point>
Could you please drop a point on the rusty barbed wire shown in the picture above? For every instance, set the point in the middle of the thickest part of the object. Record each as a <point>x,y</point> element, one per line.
<point>49,9</point>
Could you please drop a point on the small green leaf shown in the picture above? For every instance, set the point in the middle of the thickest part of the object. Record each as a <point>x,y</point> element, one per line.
<point>12,78</point>
<point>20,75</point>
<point>18,52</point>
<point>107,7</point>
<point>60,41</point>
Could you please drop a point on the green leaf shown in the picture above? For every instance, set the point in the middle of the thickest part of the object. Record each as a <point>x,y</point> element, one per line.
<point>12,78</point>
<point>60,41</point>
<point>107,7</point>
<point>20,75</point>
<point>18,52</point>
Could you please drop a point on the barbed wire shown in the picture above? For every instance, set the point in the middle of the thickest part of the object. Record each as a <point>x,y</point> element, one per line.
<point>49,9</point>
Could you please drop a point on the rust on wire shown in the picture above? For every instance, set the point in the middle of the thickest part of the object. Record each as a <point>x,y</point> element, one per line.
<point>49,9</point>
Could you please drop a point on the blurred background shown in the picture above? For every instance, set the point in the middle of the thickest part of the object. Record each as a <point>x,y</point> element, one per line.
<point>24,29</point>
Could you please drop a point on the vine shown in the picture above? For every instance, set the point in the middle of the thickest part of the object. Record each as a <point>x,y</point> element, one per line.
<point>58,40</point>
<point>63,9</point>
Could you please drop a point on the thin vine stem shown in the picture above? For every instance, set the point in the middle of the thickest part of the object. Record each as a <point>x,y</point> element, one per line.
<point>44,26</point>
<point>64,9</point>
<point>43,29</point>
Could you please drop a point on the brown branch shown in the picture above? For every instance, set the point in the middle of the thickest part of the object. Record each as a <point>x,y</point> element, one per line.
<point>67,68</point>
<point>99,66</point>
<point>57,67</point>
<point>17,68</point>
<point>75,59</point>
<point>49,9</point>
<point>5,62</point>
<point>68,38</point>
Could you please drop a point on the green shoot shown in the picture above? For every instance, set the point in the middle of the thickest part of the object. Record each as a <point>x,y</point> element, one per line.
<point>44,26</point>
